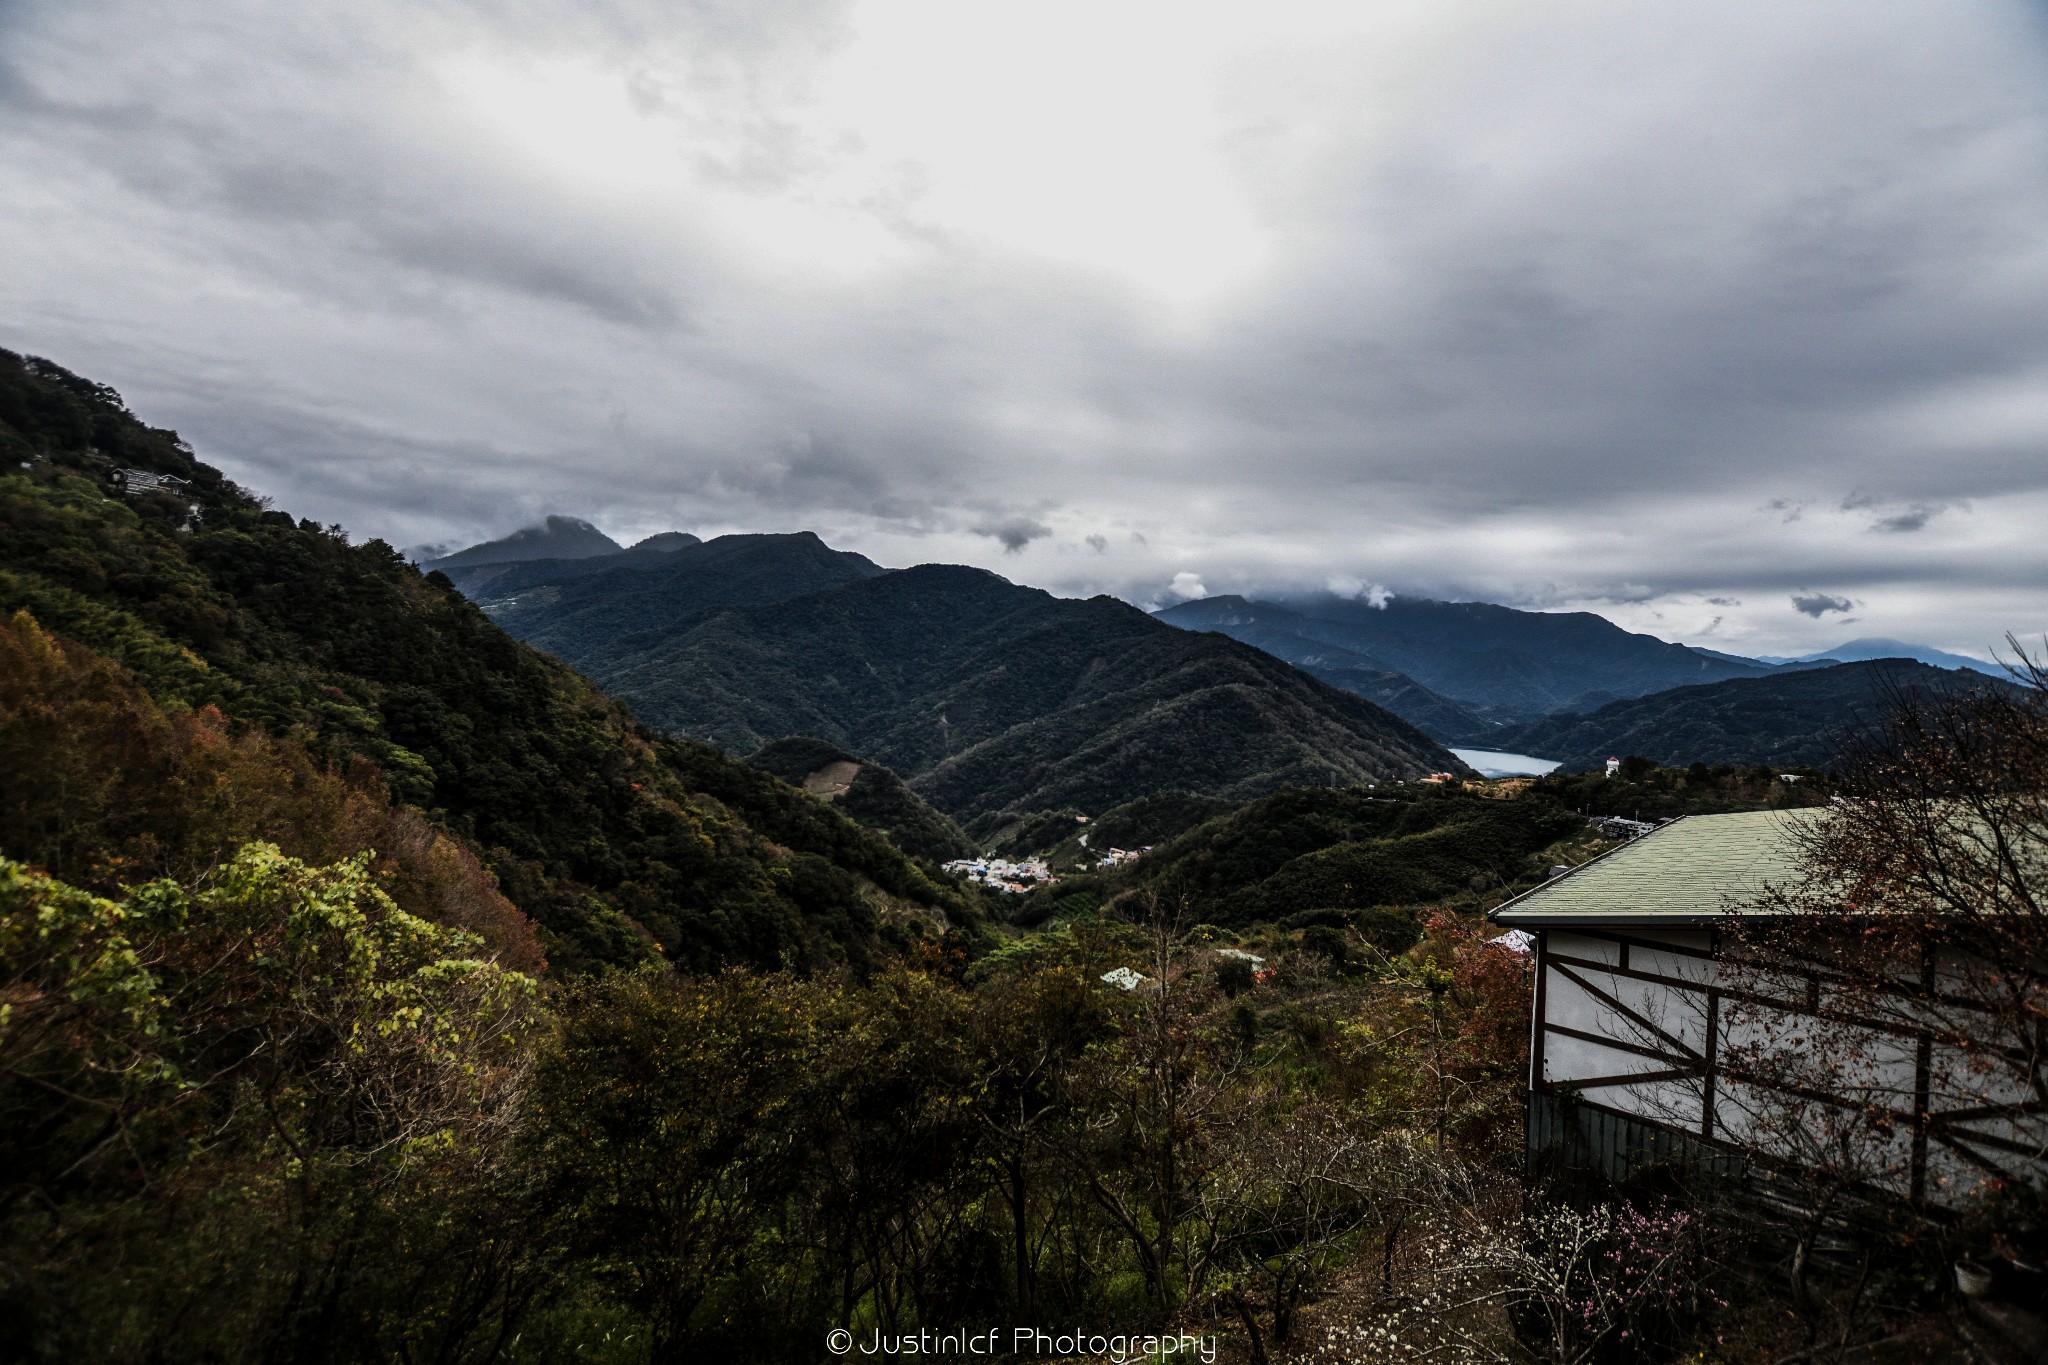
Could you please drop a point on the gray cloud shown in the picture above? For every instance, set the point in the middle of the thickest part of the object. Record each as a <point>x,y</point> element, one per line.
<point>1602,307</point>
<point>1911,517</point>
<point>1910,520</point>
<point>1014,532</point>
<point>1819,604</point>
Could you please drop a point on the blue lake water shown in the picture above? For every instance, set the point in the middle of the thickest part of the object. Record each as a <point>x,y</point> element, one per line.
<point>1491,763</point>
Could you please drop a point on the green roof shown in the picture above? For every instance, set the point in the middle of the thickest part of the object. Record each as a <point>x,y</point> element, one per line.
<point>1696,869</point>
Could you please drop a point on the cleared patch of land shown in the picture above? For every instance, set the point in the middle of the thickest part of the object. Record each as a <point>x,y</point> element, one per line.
<point>833,780</point>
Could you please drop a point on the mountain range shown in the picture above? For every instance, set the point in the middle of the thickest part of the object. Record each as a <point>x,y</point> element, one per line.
<point>1461,669</point>
<point>986,696</point>
<point>1477,674</point>
<point>1876,647</point>
<point>1797,718</point>
<point>575,609</point>
<point>995,700</point>
<point>562,547</point>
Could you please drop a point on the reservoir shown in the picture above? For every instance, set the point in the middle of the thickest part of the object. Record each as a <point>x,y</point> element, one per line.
<point>1490,763</point>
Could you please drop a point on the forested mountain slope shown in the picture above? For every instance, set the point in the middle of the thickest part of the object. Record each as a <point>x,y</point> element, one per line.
<point>540,558</point>
<point>990,697</point>
<point>1791,719</point>
<point>1309,856</point>
<point>577,608</point>
<point>1435,715</point>
<point>869,793</point>
<point>176,620</point>
<point>1520,664</point>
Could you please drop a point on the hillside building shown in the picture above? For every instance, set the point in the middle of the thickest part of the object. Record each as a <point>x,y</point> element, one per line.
<point>1651,1040</point>
<point>148,481</point>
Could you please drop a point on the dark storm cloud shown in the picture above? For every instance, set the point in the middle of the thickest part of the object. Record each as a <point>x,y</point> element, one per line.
<point>1013,532</point>
<point>1662,310</point>
<point>1819,604</point>
<point>1910,520</point>
<point>1893,518</point>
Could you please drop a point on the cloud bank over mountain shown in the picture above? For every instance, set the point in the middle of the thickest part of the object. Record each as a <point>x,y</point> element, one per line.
<point>1687,313</point>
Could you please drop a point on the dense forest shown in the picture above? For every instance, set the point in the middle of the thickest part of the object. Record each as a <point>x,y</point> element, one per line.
<point>1306,850</point>
<point>1321,855</point>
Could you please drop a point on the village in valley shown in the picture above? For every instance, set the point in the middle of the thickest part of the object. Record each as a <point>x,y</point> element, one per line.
<point>1028,874</point>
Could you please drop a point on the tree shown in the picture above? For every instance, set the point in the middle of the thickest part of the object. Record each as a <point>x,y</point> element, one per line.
<point>888,1112</point>
<point>1296,1188</point>
<point>1152,1103</point>
<point>223,1105</point>
<point>1031,1030</point>
<point>1924,913</point>
<point>662,1117</point>
<point>1886,1016</point>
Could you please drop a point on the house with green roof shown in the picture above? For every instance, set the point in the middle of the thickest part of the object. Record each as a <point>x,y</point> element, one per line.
<point>1653,1040</point>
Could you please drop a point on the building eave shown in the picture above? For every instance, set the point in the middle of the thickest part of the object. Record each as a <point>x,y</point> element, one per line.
<point>1507,907</point>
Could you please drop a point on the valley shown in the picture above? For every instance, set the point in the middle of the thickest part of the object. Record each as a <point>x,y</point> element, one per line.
<point>897,682</point>
<point>989,698</point>
<point>994,700</point>
<point>450,936</point>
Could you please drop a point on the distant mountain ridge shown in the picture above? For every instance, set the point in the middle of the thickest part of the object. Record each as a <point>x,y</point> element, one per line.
<point>575,610</point>
<point>560,549</point>
<point>1432,713</point>
<point>1795,718</point>
<point>704,638</point>
<point>1877,647</point>
<point>986,696</point>
<point>1488,666</point>
<point>554,538</point>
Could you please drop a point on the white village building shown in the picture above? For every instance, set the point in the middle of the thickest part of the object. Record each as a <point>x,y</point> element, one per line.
<point>1000,874</point>
<point>1651,1041</point>
<point>148,481</point>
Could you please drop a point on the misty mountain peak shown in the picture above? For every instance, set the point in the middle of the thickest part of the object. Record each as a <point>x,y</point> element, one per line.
<point>555,538</point>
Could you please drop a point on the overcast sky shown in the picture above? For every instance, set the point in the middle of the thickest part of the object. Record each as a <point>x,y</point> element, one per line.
<point>1727,320</point>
